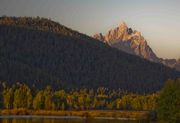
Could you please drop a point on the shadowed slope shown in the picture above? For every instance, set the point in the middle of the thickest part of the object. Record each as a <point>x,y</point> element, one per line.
<point>68,59</point>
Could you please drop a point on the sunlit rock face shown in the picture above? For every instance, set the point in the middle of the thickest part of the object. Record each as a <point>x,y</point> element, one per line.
<point>131,41</point>
<point>124,38</point>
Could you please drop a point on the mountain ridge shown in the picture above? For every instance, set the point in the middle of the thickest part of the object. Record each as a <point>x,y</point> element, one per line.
<point>68,59</point>
<point>131,41</point>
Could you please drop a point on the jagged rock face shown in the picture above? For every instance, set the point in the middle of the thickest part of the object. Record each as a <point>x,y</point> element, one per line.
<point>169,62</point>
<point>119,33</point>
<point>172,63</point>
<point>127,40</point>
<point>130,41</point>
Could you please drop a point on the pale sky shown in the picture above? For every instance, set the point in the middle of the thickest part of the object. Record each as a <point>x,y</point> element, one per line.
<point>157,20</point>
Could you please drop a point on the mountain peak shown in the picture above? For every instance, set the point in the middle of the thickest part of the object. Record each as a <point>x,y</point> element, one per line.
<point>123,25</point>
<point>131,41</point>
<point>123,28</point>
<point>125,39</point>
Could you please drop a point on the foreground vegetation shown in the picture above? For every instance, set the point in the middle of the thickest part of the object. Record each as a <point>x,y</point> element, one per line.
<point>20,99</point>
<point>21,96</point>
<point>168,107</point>
<point>88,113</point>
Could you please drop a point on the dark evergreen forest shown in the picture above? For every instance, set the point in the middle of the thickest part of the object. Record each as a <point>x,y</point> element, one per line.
<point>40,52</point>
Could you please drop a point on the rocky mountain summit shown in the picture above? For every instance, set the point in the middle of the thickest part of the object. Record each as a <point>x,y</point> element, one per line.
<point>131,41</point>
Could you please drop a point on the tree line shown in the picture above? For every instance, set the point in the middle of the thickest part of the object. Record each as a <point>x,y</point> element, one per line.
<point>21,96</point>
<point>164,104</point>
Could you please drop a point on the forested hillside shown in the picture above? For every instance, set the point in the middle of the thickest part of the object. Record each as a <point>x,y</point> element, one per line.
<point>43,24</point>
<point>40,52</point>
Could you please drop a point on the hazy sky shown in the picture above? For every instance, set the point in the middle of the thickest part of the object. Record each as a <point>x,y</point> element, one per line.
<point>157,20</point>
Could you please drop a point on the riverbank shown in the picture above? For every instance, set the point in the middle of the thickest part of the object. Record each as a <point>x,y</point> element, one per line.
<point>90,114</point>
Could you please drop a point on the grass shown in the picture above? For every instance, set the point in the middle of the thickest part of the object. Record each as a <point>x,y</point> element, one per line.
<point>87,113</point>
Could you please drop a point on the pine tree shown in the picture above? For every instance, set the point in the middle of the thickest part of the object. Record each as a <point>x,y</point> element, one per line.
<point>168,108</point>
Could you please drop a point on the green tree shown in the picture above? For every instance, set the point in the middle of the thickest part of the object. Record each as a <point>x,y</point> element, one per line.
<point>151,102</point>
<point>8,95</point>
<point>59,99</point>
<point>22,97</point>
<point>39,100</point>
<point>127,102</point>
<point>70,101</point>
<point>168,107</point>
<point>88,101</point>
<point>48,95</point>
<point>1,95</point>
<point>137,102</point>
